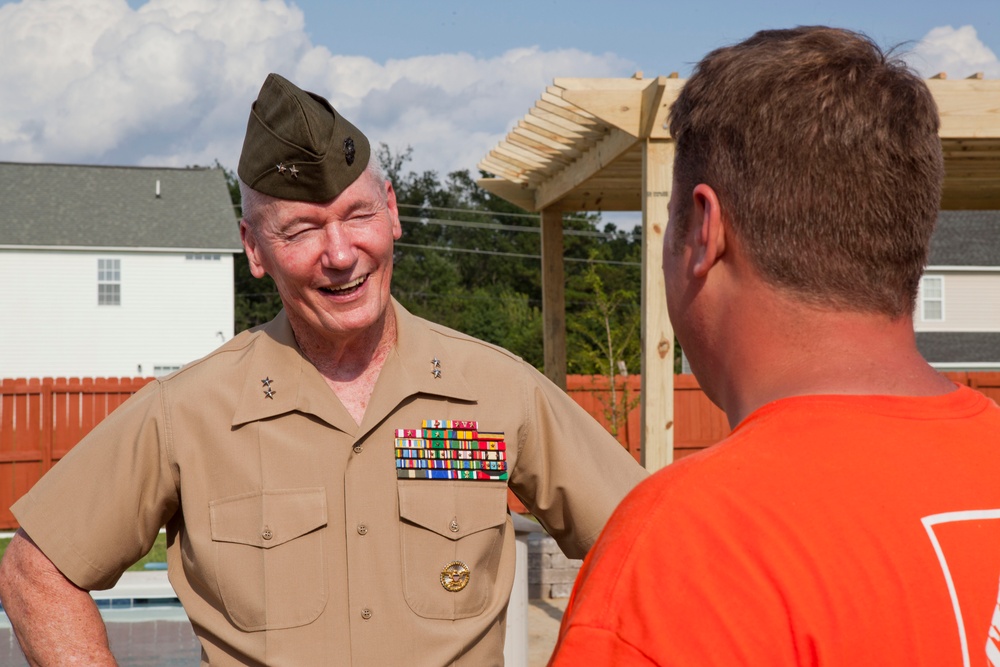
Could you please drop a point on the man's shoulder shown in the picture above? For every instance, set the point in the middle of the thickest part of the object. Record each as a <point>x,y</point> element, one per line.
<point>219,362</point>
<point>465,344</point>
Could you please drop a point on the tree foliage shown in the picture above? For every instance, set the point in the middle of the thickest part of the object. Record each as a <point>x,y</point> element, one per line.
<point>471,261</point>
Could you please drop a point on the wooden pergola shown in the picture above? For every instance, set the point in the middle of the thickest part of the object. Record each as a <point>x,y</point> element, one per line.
<point>603,145</point>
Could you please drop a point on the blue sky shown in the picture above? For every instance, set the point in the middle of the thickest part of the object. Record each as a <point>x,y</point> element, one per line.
<point>169,82</point>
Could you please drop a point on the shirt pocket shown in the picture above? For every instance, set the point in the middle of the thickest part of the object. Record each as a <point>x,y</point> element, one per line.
<point>443,523</point>
<point>269,558</point>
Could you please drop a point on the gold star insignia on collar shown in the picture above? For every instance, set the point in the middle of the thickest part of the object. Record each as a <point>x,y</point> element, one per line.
<point>281,168</point>
<point>437,373</point>
<point>266,382</point>
<point>269,393</point>
<point>436,367</point>
<point>293,171</point>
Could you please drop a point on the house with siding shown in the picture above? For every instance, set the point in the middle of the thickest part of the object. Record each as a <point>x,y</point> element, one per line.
<point>957,317</point>
<point>113,271</point>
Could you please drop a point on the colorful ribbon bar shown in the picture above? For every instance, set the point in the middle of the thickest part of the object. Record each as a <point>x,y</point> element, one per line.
<point>453,474</point>
<point>469,454</point>
<point>450,423</point>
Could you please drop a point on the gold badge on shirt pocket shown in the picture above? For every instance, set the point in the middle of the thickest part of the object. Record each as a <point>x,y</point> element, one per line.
<point>450,449</point>
<point>455,576</point>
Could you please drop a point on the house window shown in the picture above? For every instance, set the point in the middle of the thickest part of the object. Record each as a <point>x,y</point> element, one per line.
<point>932,298</point>
<point>201,256</point>
<point>109,282</point>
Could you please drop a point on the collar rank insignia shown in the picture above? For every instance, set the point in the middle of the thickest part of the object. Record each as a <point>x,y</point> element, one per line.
<point>268,391</point>
<point>447,449</point>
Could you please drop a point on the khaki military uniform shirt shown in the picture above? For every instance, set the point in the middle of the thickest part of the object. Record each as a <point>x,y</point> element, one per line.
<point>291,539</point>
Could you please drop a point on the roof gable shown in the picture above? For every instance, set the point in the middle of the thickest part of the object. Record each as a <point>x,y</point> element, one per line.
<point>51,205</point>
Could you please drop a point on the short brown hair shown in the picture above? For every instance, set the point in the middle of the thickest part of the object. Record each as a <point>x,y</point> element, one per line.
<point>824,153</point>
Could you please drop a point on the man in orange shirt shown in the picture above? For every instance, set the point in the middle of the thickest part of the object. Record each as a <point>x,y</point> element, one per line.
<point>853,516</point>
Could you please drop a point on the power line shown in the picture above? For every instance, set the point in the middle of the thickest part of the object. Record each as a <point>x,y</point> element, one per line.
<point>513,254</point>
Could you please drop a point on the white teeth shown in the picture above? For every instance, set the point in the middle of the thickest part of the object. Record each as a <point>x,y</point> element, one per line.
<point>350,285</point>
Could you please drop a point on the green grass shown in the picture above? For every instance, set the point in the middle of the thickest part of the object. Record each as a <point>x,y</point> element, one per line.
<point>158,554</point>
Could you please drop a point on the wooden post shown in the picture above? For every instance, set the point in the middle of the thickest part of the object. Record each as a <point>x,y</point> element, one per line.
<point>657,332</point>
<point>553,297</point>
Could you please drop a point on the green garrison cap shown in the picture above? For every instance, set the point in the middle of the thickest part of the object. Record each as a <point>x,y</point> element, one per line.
<point>298,147</point>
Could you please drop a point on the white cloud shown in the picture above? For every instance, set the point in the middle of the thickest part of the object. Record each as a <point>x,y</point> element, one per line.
<point>957,52</point>
<point>170,84</point>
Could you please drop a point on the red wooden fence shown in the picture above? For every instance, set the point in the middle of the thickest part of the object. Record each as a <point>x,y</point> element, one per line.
<point>41,419</point>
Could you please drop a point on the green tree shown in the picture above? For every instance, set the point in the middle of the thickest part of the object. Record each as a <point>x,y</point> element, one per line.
<point>605,336</point>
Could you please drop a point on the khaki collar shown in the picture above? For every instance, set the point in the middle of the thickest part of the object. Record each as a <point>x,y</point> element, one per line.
<point>276,364</point>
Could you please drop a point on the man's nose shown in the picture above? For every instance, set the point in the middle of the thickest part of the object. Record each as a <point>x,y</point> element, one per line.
<point>339,251</point>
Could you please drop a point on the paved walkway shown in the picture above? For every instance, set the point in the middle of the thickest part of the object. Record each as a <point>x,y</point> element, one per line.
<point>544,617</point>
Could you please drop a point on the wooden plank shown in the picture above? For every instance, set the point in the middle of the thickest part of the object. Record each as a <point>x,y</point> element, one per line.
<point>515,193</point>
<point>557,123</point>
<point>553,297</point>
<point>968,107</point>
<point>572,114</point>
<point>657,331</point>
<point>559,129</point>
<point>554,139</point>
<point>604,152</point>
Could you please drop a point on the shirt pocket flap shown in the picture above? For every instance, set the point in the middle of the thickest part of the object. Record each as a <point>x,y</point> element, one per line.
<point>270,518</point>
<point>453,510</point>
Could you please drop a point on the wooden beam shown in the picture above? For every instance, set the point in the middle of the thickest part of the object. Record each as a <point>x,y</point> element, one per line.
<point>603,153</point>
<point>519,195</point>
<point>969,108</point>
<point>553,297</point>
<point>657,331</point>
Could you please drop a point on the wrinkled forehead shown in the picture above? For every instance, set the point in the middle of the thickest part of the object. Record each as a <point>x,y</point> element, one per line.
<point>367,192</point>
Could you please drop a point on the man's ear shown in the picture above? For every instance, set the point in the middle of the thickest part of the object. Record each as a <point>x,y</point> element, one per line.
<point>252,250</point>
<point>390,198</point>
<point>709,232</point>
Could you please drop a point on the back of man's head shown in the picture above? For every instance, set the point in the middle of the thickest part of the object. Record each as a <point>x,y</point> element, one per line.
<point>824,153</point>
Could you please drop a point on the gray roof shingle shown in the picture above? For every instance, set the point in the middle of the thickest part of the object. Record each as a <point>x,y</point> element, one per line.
<point>966,238</point>
<point>116,207</point>
<point>959,347</point>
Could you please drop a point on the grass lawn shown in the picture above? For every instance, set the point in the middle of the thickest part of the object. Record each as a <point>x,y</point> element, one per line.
<point>158,554</point>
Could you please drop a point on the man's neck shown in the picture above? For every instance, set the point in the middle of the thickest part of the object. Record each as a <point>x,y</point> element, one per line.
<point>351,366</point>
<point>800,350</point>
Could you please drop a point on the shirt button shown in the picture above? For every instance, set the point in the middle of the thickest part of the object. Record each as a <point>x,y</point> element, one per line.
<point>362,529</point>
<point>266,533</point>
<point>454,526</point>
<point>366,613</point>
<point>357,449</point>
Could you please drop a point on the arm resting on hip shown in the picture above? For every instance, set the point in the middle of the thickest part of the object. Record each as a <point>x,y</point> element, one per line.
<point>55,621</point>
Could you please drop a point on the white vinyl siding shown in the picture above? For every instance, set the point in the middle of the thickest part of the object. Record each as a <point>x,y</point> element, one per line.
<point>968,301</point>
<point>172,311</point>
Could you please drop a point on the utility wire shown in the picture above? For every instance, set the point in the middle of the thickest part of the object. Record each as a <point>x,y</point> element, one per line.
<point>513,254</point>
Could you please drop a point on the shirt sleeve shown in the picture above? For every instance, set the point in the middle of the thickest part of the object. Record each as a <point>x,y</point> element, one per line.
<point>99,509</point>
<point>570,472</point>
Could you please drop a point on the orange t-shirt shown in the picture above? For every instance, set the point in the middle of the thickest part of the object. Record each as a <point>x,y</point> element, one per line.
<point>826,530</point>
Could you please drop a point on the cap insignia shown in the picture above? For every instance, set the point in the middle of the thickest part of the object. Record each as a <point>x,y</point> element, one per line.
<point>349,151</point>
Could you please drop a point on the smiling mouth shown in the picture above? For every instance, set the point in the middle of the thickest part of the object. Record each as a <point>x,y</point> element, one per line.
<point>349,288</point>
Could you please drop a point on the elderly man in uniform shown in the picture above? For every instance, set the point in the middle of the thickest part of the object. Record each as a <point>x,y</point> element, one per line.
<point>333,483</point>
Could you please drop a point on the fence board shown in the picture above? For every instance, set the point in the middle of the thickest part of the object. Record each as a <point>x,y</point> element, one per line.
<point>42,419</point>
